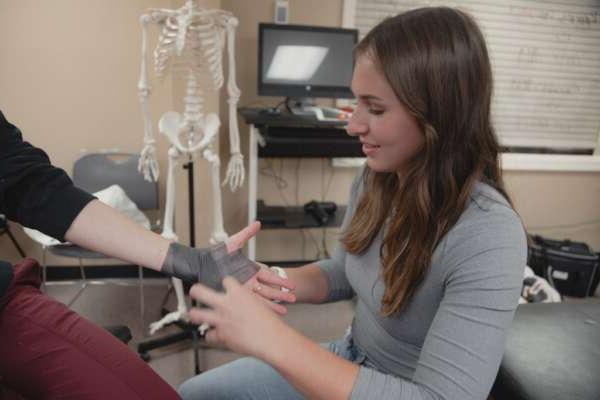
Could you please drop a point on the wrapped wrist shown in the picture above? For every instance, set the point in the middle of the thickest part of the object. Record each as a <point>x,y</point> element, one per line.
<point>208,266</point>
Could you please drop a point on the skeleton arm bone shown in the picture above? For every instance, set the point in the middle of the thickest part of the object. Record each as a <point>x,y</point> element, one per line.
<point>235,169</point>
<point>147,163</point>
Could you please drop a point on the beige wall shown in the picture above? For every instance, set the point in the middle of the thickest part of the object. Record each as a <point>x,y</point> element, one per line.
<point>71,85</point>
<point>68,77</point>
<point>558,204</point>
<point>281,244</point>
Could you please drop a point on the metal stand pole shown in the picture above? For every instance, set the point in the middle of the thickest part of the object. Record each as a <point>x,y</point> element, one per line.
<point>189,331</point>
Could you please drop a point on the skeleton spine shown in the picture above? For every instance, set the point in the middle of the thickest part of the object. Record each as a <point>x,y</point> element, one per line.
<point>193,101</point>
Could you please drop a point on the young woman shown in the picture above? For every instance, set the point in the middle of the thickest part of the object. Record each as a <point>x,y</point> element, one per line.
<point>431,246</point>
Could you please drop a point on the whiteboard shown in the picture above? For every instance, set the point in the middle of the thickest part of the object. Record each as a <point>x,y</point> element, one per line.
<point>545,58</point>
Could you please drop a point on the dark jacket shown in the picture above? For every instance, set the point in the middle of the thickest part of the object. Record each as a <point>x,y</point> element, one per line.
<point>32,191</point>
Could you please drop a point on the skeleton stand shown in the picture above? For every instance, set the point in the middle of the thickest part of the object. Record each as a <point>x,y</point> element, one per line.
<point>189,331</point>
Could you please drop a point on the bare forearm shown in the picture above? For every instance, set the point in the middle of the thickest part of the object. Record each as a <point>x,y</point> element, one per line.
<point>101,228</point>
<point>311,283</point>
<point>311,369</point>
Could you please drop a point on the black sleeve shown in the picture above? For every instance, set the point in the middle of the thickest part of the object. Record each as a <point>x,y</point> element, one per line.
<point>32,191</point>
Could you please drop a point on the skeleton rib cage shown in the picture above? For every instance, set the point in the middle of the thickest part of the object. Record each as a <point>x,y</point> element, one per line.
<point>203,51</point>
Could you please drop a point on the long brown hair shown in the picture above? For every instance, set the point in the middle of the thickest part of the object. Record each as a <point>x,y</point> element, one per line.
<point>436,61</point>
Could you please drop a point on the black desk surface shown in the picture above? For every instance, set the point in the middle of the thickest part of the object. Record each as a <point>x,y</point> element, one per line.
<point>258,116</point>
<point>288,135</point>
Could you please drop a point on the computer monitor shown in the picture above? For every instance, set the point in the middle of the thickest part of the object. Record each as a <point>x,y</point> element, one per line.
<point>305,61</point>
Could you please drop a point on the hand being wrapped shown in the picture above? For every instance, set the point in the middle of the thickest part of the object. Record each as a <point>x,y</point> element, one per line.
<point>211,265</point>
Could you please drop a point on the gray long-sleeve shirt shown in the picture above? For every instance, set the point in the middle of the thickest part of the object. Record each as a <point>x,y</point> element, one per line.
<point>449,341</point>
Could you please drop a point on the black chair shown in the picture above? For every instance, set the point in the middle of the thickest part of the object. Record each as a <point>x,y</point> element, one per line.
<point>121,332</point>
<point>94,172</point>
<point>552,352</point>
<point>5,229</point>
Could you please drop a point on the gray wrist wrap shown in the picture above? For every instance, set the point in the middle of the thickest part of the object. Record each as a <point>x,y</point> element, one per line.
<point>208,266</point>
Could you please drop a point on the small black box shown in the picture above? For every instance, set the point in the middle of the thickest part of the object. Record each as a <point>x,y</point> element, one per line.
<point>571,267</point>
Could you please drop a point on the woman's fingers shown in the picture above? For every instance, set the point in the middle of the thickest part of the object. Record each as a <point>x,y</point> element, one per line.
<point>206,295</point>
<point>238,240</point>
<point>276,307</point>
<point>273,293</point>
<point>201,315</point>
<point>267,276</point>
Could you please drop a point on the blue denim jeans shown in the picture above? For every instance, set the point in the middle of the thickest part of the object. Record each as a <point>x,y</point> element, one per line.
<point>252,379</point>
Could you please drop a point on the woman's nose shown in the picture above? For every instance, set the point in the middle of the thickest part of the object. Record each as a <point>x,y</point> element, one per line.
<point>356,127</point>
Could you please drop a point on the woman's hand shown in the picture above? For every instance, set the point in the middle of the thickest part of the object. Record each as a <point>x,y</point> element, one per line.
<point>267,285</point>
<point>240,320</point>
<point>271,286</point>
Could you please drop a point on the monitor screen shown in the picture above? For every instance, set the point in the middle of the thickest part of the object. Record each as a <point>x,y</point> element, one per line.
<point>305,61</point>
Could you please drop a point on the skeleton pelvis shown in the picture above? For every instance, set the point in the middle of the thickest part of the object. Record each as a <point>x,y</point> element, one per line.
<point>196,134</point>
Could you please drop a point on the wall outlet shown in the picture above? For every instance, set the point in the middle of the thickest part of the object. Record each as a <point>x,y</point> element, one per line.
<point>282,11</point>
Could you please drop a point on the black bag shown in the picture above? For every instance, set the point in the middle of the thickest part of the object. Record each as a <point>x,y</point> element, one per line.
<point>571,267</point>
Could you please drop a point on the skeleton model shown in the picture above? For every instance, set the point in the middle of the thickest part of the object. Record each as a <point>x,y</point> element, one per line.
<point>190,45</point>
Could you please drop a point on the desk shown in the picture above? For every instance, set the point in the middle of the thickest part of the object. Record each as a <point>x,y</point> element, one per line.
<point>287,135</point>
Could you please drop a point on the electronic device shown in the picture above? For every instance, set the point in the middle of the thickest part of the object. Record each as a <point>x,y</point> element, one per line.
<point>321,211</point>
<point>271,111</point>
<point>322,113</point>
<point>300,61</point>
<point>282,11</point>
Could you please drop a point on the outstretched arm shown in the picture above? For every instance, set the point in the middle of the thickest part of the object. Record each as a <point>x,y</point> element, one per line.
<point>101,228</point>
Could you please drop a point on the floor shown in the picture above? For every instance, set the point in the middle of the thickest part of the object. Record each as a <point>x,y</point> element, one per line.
<point>116,304</point>
<point>112,304</point>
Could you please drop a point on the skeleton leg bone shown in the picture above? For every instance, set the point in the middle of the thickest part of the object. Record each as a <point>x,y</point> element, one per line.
<point>181,313</point>
<point>168,231</point>
<point>218,234</point>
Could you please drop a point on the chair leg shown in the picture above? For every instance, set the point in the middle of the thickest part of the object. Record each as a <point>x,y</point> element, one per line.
<point>142,299</point>
<point>44,271</point>
<point>12,238</point>
<point>83,285</point>
<point>82,271</point>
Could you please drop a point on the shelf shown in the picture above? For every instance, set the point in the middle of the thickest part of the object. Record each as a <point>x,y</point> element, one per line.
<point>286,135</point>
<point>280,217</point>
<point>308,147</point>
